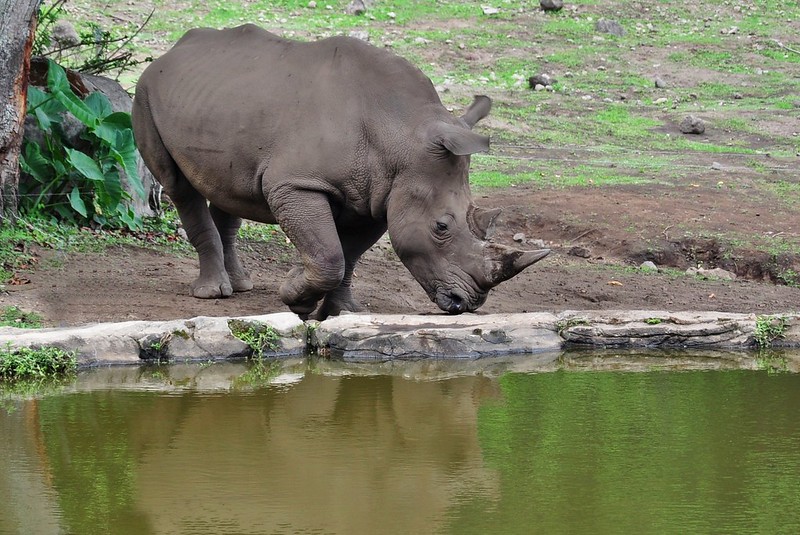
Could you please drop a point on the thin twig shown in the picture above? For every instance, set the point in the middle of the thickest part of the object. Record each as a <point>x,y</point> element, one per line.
<point>785,47</point>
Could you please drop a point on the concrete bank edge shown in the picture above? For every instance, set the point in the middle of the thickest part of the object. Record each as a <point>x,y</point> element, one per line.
<point>407,337</point>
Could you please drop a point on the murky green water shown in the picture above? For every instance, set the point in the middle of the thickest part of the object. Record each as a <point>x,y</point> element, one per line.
<point>179,450</point>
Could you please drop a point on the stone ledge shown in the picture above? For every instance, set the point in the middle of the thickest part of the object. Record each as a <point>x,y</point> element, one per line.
<point>404,337</point>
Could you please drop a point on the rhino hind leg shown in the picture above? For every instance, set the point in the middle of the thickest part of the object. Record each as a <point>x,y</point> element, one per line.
<point>192,207</point>
<point>213,281</point>
<point>228,227</point>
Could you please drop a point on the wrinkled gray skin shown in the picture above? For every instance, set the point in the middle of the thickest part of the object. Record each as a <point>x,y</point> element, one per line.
<point>336,141</point>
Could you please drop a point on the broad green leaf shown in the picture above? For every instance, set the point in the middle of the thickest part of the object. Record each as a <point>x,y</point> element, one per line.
<point>124,151</point>
<point>44,107</point>
<point>112,191</point>
<point>109,126</point>
<point>59,87</point>
<point>76,202</point>
<point>85,165</point>
<point>35,164</point>
<point>99,104</point>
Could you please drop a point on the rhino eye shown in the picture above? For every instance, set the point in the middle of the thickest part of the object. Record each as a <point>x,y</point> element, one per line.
<point>441,226</point>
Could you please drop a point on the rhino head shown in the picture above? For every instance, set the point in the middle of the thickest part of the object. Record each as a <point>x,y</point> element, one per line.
<point>436,230</point>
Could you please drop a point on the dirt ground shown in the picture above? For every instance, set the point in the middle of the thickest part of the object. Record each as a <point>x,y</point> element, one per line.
<point>599,234</point>
<point>137,284</point>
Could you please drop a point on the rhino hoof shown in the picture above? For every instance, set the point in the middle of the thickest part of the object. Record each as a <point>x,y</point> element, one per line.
<point>211,291</point>
<point>241,285</point>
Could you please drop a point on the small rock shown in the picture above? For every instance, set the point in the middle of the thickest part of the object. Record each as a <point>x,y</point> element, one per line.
<point>716,166</point>
<point>609,26</point>
<point>539,244</point>
<point>648,266</point>
<point>489,10</point>
<point>578,251</point>
<point>182,234</point>
<point>737,96</point>
<point>519,237</point>
<point>359,34</point>
<point>538,87</point>
<point>65,34</point>
<point>662,100</point>
<point>719,273</point>
<point>660,84</point>
<point>312,5</point>
<point>541,79</point>
<point>356,7</point>
<point>551,5</point>
<point>692,125</point>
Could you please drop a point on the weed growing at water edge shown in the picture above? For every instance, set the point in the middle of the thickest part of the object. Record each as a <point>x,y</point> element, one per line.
<point>768,329</point>
<point>38,364</point>
<point>260,338</point>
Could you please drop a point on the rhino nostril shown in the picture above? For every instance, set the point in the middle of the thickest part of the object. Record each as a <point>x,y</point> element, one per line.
<point>457,304</point>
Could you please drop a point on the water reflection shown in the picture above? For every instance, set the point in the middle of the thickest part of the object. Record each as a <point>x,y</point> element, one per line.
<point>378,449</point>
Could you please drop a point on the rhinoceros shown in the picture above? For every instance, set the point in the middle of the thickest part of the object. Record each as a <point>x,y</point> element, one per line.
<point>337,141</point>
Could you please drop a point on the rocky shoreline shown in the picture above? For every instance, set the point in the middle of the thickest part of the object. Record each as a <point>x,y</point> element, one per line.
<point>382,338</point>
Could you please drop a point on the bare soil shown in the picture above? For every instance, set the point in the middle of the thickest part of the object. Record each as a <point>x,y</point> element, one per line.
<point>128,283</point>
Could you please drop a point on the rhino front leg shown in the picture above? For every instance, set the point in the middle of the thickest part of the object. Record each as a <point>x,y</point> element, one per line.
<point>228,227</point>
<point>355,242</point>
<point>305,216</point>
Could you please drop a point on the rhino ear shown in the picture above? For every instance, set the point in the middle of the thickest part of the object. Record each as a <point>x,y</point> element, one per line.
<point>459,140</point>
<point>477,110</point>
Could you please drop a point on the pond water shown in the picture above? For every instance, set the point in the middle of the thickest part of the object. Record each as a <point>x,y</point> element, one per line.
<point>418,448</point>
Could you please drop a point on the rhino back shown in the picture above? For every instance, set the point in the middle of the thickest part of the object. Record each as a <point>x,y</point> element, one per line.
<point>242,111</point>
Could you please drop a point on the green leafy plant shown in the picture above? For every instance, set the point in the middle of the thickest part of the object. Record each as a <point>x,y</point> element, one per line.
<point>768,329</point>
<point>260,338</point>
<point>42,363</point>
<point>68,184</point>
<point>653,321</point>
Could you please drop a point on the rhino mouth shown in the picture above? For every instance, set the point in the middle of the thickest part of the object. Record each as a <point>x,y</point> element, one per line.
<point>457,301</point>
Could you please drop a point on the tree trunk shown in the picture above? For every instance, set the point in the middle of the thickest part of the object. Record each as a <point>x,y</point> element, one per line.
<point>17,26</point>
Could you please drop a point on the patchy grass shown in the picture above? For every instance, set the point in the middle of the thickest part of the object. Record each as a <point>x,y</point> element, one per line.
<point>15,317</point>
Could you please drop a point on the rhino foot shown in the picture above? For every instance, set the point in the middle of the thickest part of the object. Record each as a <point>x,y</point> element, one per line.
<point>338,301</point>
<point>241,285</point>
<point>211,290</point>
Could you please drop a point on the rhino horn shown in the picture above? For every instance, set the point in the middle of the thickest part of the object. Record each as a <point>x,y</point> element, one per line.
<point>507,262</point>
<point>481,222</point>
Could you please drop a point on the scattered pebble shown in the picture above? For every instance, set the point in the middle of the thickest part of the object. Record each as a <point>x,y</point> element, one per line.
<point>312,5</point>
<point>359,34</point>
<point>519,237</point>
<point>609,26</point>
<point>716,166</point>
<point>551,5</point>
<point>489,10</point>
<point>648,266</point>
<point>660,84</point>
<point>692,125</point>
<point>581,252</point>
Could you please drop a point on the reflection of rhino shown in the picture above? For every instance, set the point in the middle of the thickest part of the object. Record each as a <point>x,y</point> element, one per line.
<point>337,141</point>
<point>327,454</point>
